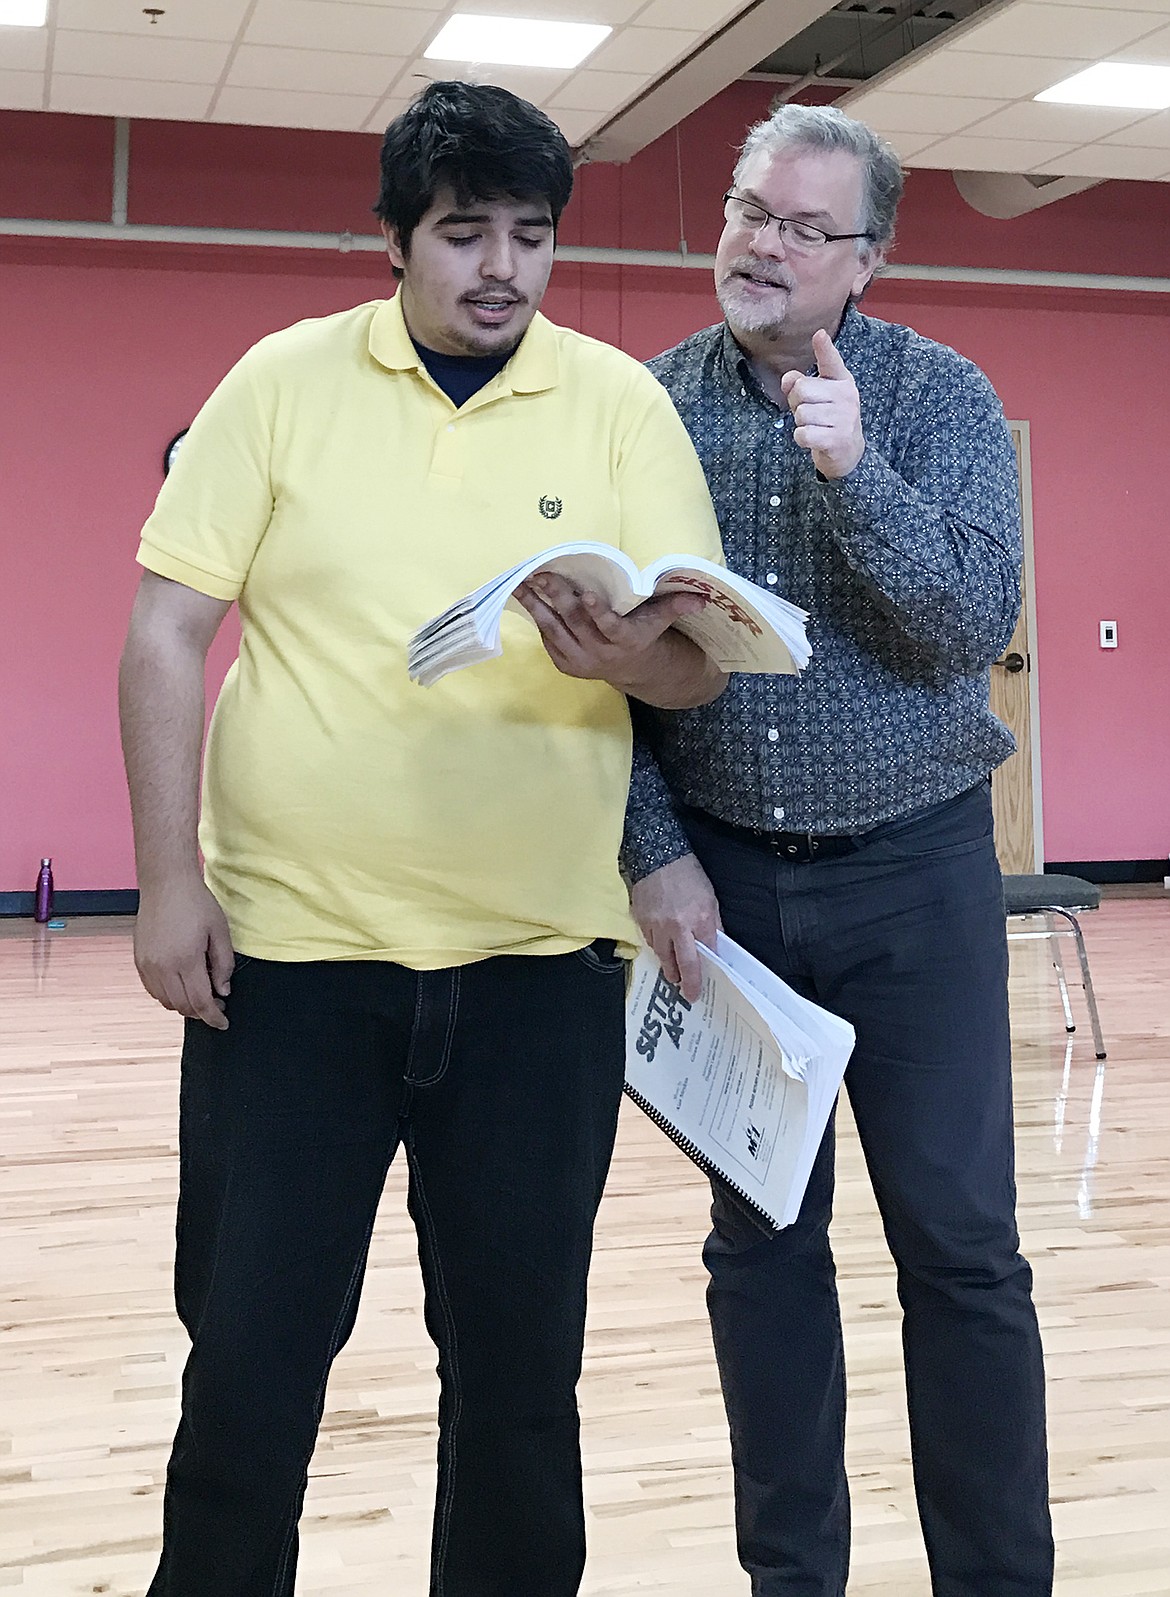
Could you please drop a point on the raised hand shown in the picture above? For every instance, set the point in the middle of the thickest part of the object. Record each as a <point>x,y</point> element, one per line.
<point>827,410</point>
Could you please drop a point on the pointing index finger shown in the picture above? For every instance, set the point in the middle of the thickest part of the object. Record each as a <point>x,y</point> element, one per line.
<point>829,362</point>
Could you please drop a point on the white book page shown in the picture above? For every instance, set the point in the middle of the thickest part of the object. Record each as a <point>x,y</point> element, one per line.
<point>824,1029</point>
<point>797,1049</point>
<point>830,1040</point>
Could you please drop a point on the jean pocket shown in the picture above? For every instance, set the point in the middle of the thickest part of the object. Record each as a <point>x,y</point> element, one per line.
<point>601,955</point>
<point>962,825</point>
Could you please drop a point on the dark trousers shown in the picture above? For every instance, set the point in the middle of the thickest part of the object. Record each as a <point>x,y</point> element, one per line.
<point>502,1080</point>
<point>906,939</point>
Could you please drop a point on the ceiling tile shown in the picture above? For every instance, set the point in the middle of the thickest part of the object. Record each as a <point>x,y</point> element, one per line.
<point>610,12</point>
<point>576,125</point>
<point>702,15</point>
<point>909,144</point>
<point>1099,160</point>
<point>921,113</point>
<point>597,91</point>
<point>1155,47</point>
<point>1157,7</point>
<point>206,19</point>
<point>537,84</point>
<point>119,55</point>
<point>384,113</point>
<point>330,25</point>
<point>973,72</point>
<point>1152,132</point>
<point>172,102</point>
<point>1078,124</point>
<point>23,49</point>
<point>268,66</point>
<point>643,50</point>
<point>1030,28</point>
<point>966,153</point>
<point>275,108</point>
<point>21,91</point>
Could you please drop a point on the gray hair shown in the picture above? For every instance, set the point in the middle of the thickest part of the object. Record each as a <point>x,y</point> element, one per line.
<point>823,127</point>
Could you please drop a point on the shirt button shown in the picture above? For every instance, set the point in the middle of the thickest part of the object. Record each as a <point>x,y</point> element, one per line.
<point>450,426</point>
<point>771,579</point>
<point>773,734</point>
<point>778,812</point>
<point>779,422</point>
<point>774,501</point>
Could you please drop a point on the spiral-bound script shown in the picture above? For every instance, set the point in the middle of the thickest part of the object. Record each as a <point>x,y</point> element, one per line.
<point>743,1080</point>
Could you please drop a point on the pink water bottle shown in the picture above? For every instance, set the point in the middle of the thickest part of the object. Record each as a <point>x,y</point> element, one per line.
<point>44,907</point>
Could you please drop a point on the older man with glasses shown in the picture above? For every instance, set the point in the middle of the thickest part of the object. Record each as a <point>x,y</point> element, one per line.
<point>840,828</point>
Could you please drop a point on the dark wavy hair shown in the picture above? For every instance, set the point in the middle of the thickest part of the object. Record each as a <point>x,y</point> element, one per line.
<point>481,141</point>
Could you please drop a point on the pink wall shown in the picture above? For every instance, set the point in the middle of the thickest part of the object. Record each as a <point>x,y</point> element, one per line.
<point>108,349</point>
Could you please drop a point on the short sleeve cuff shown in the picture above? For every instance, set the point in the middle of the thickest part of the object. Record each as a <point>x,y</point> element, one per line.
<point>164,564</point>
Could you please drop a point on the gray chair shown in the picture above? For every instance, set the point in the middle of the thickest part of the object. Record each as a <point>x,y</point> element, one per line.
<point>1052,896</point>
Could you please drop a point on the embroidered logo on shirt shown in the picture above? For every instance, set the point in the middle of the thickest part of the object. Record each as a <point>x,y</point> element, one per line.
<point>550,508</point>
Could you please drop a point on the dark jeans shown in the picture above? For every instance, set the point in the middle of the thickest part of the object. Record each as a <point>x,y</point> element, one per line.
<point>906,939</point>
<point>502,1080</point>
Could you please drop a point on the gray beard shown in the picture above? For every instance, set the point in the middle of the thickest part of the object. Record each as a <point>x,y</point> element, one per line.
<point>755,320</point>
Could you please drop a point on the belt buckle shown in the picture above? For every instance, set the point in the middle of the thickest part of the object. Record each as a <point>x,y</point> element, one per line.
<point>799,848</point>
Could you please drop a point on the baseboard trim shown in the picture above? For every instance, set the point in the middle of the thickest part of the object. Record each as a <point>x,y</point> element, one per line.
<point>124,900</point>
<point>1105,871</point>
<point>99,901</point>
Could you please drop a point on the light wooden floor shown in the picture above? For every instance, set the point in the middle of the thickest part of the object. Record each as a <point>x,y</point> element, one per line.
<point>90,1354</point>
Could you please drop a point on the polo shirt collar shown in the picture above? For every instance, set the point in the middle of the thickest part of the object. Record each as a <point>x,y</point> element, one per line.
<point>534,367</point>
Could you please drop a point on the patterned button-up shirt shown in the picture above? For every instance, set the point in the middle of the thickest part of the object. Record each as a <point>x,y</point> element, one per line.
<point>909,567</point>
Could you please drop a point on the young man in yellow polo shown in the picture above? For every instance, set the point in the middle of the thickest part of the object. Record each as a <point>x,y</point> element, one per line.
<point>411,930</point>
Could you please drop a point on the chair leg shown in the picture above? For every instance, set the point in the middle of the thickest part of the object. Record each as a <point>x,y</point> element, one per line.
<point>1054,937</point>
<point>1090,996</point>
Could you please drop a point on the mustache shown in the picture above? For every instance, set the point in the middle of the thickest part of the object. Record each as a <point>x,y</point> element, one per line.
<point>765,274</point>
<point>492,291</point>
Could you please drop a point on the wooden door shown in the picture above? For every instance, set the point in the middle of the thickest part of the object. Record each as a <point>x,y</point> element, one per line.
<point>1011,700</point>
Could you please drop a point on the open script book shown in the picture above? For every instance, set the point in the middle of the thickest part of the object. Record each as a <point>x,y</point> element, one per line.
<point>742,626</point>
<point>743,1080</point>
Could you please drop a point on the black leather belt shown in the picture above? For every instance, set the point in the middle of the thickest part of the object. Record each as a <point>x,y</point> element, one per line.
<point>798,848</point>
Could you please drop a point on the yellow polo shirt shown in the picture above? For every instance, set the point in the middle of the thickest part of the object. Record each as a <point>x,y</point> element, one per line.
<point>334,491</point>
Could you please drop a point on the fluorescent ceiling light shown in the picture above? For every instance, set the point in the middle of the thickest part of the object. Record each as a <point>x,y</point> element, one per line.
<point>23,13</point>
<point>515,41</point>
<point>1119,83</point>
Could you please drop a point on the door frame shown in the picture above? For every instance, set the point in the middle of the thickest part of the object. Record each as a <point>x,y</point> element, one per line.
<point>1022,435</point>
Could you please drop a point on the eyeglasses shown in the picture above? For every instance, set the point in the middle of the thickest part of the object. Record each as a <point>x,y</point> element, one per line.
<point>802,236</point>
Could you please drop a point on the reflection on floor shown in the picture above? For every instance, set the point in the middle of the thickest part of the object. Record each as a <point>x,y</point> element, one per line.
<point>90,1354</point>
